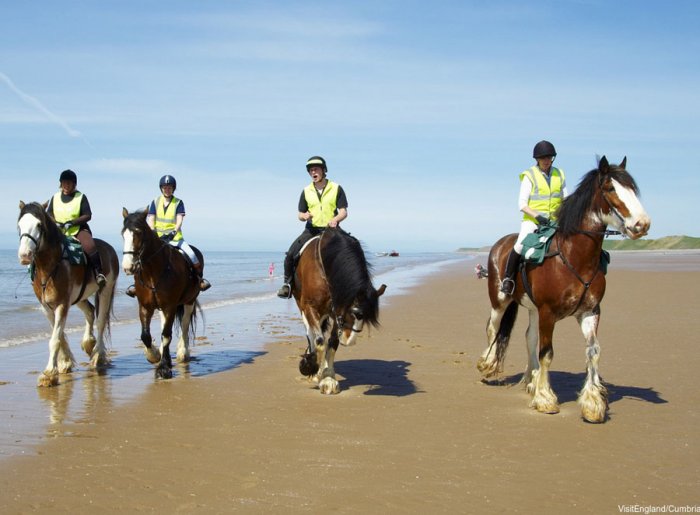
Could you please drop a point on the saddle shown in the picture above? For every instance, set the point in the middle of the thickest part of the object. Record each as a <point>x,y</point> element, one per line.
<point>536,245</point>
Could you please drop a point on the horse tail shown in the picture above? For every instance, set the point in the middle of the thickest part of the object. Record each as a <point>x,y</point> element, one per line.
<point>180,313</point>
<point>109,315</point>
<point>504,330</point>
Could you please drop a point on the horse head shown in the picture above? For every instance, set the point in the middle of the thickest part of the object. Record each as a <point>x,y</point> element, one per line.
<point>133,232</point>
<point>364,309</point>
<point>35,226</point>
<point>622,208</point>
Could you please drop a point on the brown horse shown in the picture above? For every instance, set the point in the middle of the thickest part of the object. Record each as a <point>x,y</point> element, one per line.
<point>333,290</point>
<point>164,281</point>
<point>569,283</point>
<point>58,285</point>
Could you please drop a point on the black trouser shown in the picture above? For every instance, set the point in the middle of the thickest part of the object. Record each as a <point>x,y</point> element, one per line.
<point>290,260</point>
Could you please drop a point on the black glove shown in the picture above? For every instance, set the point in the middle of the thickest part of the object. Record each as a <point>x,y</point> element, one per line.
<point>66,225</point>
<point>168,236</point>
<point>542,220</point>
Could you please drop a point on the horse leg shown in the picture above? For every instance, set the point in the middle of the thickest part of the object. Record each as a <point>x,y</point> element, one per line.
<point>543,398</point>
<point>88,342</point>
<point>164,370</point>
<point>328,384</point>
<point>593,398</point>
<point>152,354</point>
<point>498,331</point>
<point>183,344</point>
<point>60,357</point>
<point>533,364</point>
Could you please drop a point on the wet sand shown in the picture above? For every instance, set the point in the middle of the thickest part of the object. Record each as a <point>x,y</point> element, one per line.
<point>413,428</point>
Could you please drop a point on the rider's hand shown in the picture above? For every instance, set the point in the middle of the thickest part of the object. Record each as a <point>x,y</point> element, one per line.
<point>542,220</point>
<point>67,225</point>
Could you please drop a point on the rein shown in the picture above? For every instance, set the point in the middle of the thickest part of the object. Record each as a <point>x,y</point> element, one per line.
<point>138,264</point>
<point>54,271</point>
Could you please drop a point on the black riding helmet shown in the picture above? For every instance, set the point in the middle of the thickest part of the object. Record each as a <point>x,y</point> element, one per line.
<point>68,175</point>
<point>544,149</point>
<point>316,161</point>
<point>168,179</point>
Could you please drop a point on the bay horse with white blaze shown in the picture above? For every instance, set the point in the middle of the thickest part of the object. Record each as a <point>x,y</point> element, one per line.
<point>58,285</point>
<point>164,280</point>
<point>568,283</point>
<point>333,289</point>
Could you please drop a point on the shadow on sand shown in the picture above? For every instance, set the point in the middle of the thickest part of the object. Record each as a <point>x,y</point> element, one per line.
<point>567,385</point>
<point>382,377</point>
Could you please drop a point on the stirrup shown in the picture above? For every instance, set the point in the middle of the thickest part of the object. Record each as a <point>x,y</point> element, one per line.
<point>507,286</point>
<point>285,291</point>
<point>131,291</point>
<point>204,285</point>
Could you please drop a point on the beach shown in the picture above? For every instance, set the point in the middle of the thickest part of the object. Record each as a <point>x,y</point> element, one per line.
<point>413,429</point>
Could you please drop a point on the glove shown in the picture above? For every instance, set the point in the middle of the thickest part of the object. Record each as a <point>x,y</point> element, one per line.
<point>168,236</point>
<point>66,225</point>
<point>542,220</point>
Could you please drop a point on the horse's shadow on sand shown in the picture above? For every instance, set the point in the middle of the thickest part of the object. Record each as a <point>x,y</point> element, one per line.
<point>567,386</point>
<point>382,377</point>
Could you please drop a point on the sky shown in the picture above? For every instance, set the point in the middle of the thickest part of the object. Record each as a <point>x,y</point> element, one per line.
<point>426,112</point>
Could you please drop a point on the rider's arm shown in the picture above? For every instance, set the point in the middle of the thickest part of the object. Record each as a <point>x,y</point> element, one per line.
<point>524,197</point>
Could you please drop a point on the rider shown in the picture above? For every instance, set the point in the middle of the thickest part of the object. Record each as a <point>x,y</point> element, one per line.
<point>322,204</point>
<point>71,211</point>
<point>165,215</point>
<point>542,189</point>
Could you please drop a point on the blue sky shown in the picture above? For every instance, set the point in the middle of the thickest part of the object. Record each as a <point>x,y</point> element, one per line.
<point>425,112</point>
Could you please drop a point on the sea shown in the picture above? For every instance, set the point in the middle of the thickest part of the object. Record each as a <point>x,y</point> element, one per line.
<point>248,279</point>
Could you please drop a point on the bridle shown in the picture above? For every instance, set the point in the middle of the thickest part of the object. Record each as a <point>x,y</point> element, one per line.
<point>138,265</point>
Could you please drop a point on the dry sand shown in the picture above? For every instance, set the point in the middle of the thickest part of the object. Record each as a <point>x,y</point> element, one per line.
<point>413,430</point>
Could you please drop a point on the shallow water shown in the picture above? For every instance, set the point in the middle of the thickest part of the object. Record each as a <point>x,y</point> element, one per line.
<point>241,314</point>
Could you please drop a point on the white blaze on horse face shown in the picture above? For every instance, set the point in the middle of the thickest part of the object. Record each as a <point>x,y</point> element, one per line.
<point>28,224</point>
<point>128,259</point>
<point>637,223</point>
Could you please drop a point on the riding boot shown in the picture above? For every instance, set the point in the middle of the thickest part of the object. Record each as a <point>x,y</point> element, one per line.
<point>204,285</point>
<point>96,263</point>
<point>508,283</point>
<point>285,290</point>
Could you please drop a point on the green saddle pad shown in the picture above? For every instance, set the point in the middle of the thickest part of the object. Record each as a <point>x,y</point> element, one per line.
<point>536,245</point>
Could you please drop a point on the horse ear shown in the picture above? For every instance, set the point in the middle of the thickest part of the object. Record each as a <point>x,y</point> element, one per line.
<point>603,165</point>
<point>21,205</point>
<point>623,163</point>
<point>125,212</point>
<point>380,290</point>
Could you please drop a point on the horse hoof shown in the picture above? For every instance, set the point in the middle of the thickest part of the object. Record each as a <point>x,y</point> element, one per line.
<point>308,366</point>
<point>99,361</point>
<point>164,373</point>
<point>152,355</point>
<point>329,386</point>
<point>88,345</point>
<point>47,380</point>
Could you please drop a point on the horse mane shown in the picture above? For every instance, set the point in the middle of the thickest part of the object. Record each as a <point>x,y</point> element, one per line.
<point>349,274</point>
<point>575,207</point>
<point>52,233</point>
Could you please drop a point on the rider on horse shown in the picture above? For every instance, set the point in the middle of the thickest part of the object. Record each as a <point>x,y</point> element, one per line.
<point>322,204</point>
<point>71,211</point>
<point>542,189</point>
<point>165,215</point>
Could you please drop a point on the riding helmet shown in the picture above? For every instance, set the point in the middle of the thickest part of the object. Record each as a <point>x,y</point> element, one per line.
<point>315,161</point>
<point>68,175</point>
<point>168,179</point>
<point>544,149</point>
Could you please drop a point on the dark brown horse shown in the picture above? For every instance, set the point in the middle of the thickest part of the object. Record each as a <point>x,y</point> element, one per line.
<point>164,280</point>
<point>58,284</point>
<point>569,283</point>
<point>333,290</point>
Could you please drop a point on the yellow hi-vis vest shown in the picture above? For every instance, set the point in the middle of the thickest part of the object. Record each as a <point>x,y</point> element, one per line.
<point>63,212</point>
<point>322,209</point>
<point>544,197</point>
<point>166,218</point>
